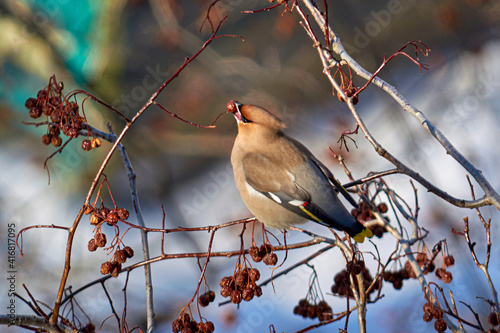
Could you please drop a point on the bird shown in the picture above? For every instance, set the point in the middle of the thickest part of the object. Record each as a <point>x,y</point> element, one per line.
<point>281,182</point>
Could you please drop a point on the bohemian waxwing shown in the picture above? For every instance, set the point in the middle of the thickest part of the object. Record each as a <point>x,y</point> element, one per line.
<point>280,180</point>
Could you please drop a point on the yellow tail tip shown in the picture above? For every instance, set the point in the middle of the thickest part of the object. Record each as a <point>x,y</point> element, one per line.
<point>360,238</point>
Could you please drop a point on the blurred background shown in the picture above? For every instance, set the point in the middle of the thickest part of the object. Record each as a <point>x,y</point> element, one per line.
<point>122,51</point>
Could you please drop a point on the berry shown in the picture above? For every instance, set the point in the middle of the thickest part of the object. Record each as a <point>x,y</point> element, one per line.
<point>270,259</point>
<point>254,274</point>
<point>56,141</point>
<point>211,295</point>
<point>440,325</point>
<point>225,281</point>
<point>117,267</point>
<point>241,278</point>
<point>427,317</point>
<point>46,139</point>
<point>100,239</point>
<point>112,217</point>
<point>428,307</point>
<point>247,294</point>
<point>447,277</point>
<point>95,219</point>
<point>226,291</point>
<point>265,249</point>
<point>231,106</point>
<point>449,260</point>
<point>258,291</point>
<point>86,145</point>
<point>30,102</point>
<point>106,267</point>
<point>209,327</point>
<point>96,142</point>
<point>176,326</point>
<point>255,254</point>
<point>440,272</point>
<point>92,245</point>
<point>73,132</point>
<point>35,112</point>
<point>129,252</point>
<point>123,213</point>
<point>236,296</point>
<point>382,208</point>
<point>398,284</point>
<point>120,256</point>
<point>493,319</point>
<point>204,300</point>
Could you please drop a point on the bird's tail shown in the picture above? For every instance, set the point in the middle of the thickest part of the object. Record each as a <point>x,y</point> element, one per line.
<point>360,237</point>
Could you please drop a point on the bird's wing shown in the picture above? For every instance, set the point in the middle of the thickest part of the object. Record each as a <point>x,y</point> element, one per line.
<point>334,182</point>
<point>269,179</point>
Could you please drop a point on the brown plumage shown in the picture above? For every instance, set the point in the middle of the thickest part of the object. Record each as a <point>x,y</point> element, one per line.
<point>280,180</point>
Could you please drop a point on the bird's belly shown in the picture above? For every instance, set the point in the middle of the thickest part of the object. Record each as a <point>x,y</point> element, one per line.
<point>269,212</point>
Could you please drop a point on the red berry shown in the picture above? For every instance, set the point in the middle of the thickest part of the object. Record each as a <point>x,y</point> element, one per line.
<point>86,145</point>
<point>236,296</point>
<point>270,259</point>
<point>92,245</point>
<point>449,260</point>
<point>440,325</point>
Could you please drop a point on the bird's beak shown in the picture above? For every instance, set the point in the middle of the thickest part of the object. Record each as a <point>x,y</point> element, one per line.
<point>235,108</point>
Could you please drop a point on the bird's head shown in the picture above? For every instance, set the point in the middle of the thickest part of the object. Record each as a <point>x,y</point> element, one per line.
<point>247,114</point>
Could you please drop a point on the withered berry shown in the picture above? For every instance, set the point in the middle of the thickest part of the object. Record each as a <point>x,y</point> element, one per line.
<point>211,295</point>
<point>96,142</point>
<point>440,325</point>
<point>446,277</point>
<point>92,245</point>
<point>428,307</point>
<point>176,326</point>
<point>86,145</point>
<point>241,278</point>
<point>255,253</point>
<point>209,327</point>
<point>73,132</point>
<point>56,141</point>
<point>46,139</point>
<point>106,267</point>
<point>265,249</point>
<point>226,291</point>
<point>382,208</point>
<point>30,102</point>
<point>129,252</point>
<point>427,317</point>
<point>247,294</point>
<point>270,259</point>
<point>123,214</point>
<point>236,296</point>
<point>35,112</point>
<point>117,267</point>
<point>100,239</point>
<point>449,260</point>
<point>204,300</point>
<point>226,281</point>
<point>95,219</point>
<point>257,291</point>
<point>493,319</point>
<point>254,274</point>
<point>112,218</point>
<point>120,256</point>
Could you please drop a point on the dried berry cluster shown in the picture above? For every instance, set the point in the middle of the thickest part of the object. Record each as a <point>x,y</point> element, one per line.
<point>264,253</point>
<point>62,113</point>
<point>364,213</point>
<point>342,285</point>
<point>349,92</point>
<point>114,266</point>
<point>433,312</point>
<point>110,216</point>
<point>185,324</point>
<point>442,273</point>
<point>322,310</point>
<point>241,286</point>
<point>206,298</point>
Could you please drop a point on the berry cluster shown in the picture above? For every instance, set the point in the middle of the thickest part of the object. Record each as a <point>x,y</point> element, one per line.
<point>104,214</point>
<point>364,213</point>
<point>342,284</point>
<point>63,114</point>
<point>206,298</point>
<point>185,324</point>
<point>442,273</point>
<point>241,286</point>
<point>111,217</point>
<point>349,92</point>
<point>322,310</point>
<point>434,312</point>
<point>264,253</point>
